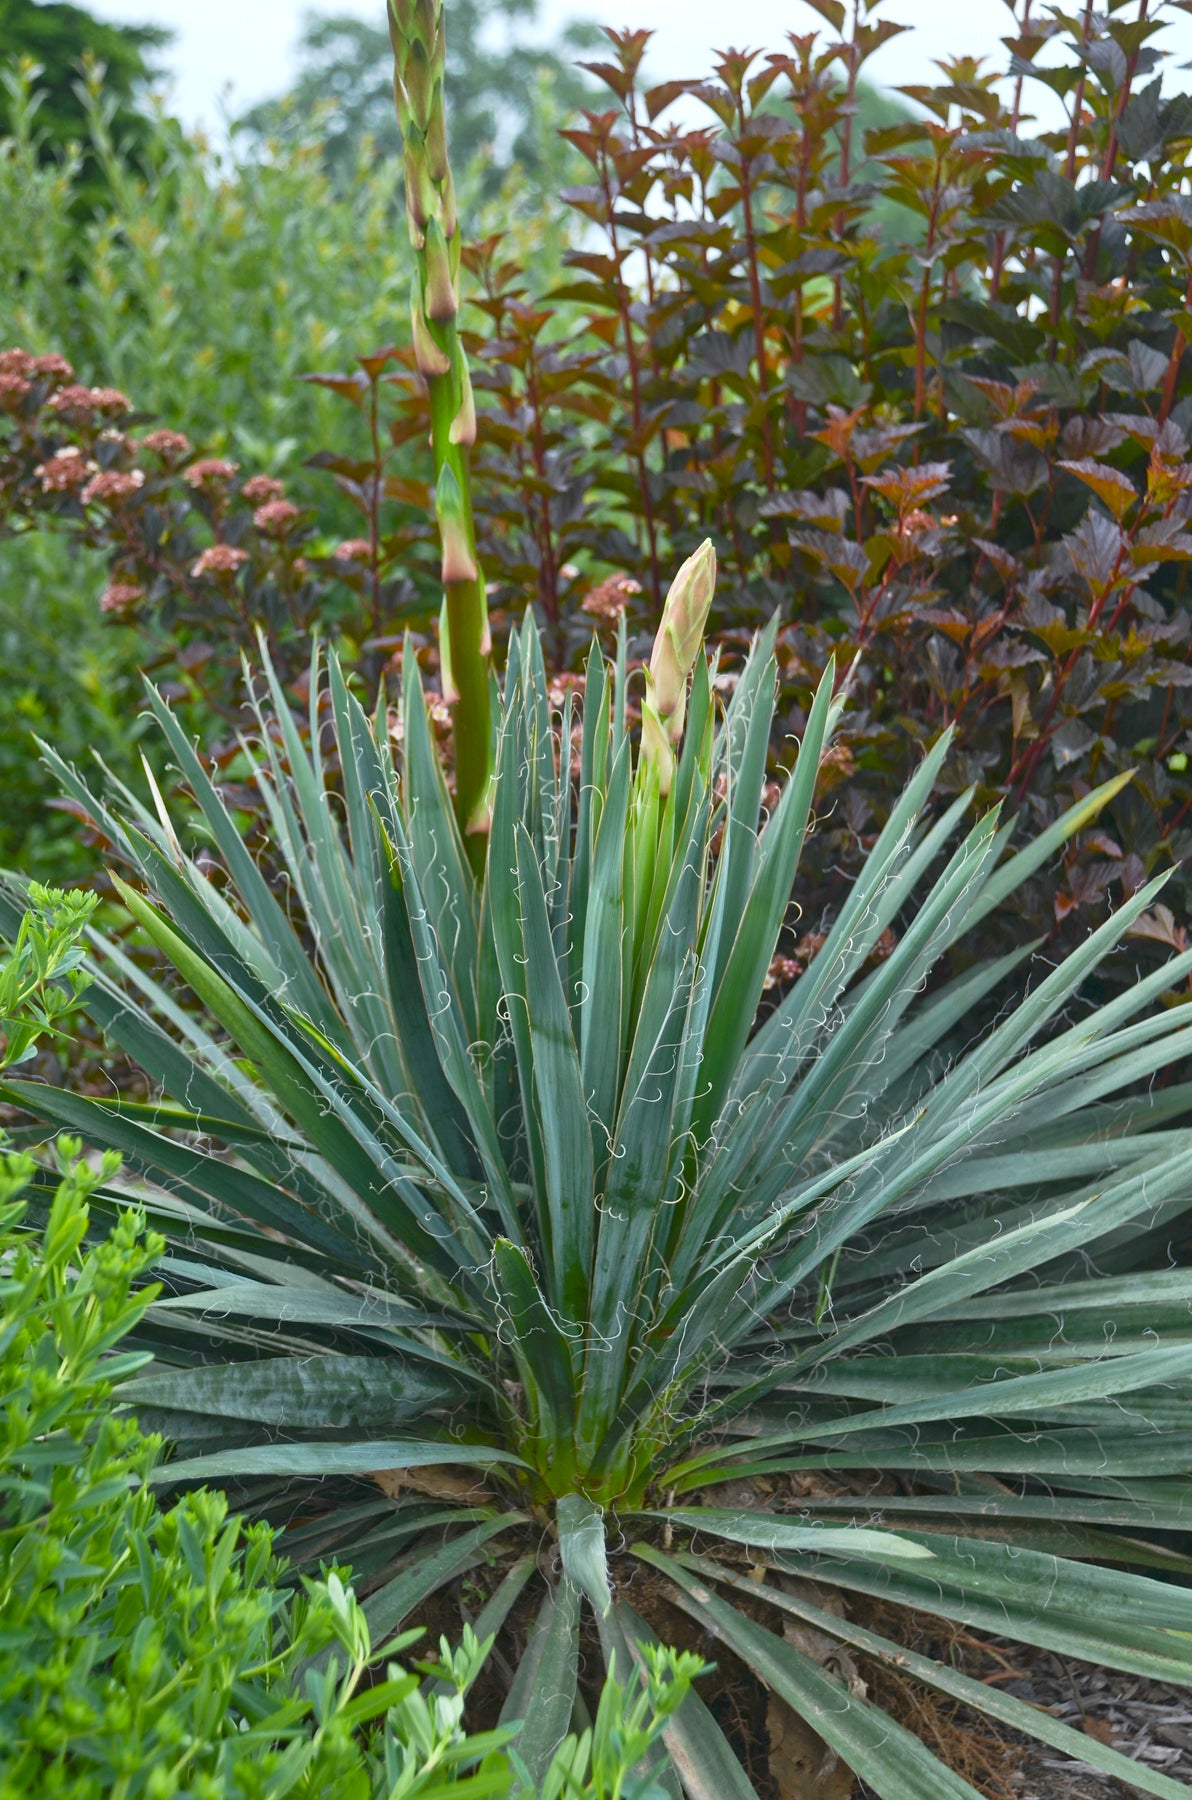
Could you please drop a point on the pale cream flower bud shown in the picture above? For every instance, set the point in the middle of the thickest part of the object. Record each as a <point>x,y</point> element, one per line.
<point>680,635</point>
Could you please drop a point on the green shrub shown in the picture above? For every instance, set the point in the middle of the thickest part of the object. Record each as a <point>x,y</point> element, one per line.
<point>300,273</point>
<point>69,675</point>
<point>292,271</point>
<point>498,1194</point>
<point>61,41</point>
<point>42,977</point>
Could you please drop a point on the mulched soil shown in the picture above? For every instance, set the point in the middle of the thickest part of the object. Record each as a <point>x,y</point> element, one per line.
<point>1147,1720</point>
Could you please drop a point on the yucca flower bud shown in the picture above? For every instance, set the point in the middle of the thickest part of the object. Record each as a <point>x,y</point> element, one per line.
<point>679,638</point>
<point>423,202</point>
<point>447,216</point>
<point>463,426</point>
<point>446,679</point>
<point>431,360</point>
<point>459,564</point>
<point>439,296</point>
<point>436,140</point>
<point>418,80</point>
<point>424,17</point>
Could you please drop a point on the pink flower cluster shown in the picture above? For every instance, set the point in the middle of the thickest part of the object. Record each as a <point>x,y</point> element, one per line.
<point>275,517</point>
<point>118,596</point>
<point>354,550</point>
<point>13,388</point>
<point>23,363</point>
<point>210,469</point>
<point>260,488</point>
<point>219,559</point>
<point>114,485</point>
<point>610,598</point>
<point>78,399</point>
<point>171,446</point>
<point>68,468</point>
<point>53,365</point>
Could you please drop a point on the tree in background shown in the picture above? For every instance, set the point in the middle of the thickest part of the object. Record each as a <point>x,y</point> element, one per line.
<point>63,40</point>
<point>498,86</point>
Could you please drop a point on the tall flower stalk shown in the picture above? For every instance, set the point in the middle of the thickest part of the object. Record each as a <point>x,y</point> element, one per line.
<point>416,31</point>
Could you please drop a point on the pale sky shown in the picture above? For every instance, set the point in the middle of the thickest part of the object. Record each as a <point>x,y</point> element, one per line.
<point>245,49</point>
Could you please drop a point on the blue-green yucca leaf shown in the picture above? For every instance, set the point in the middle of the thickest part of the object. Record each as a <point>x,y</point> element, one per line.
<point>604,976</point>
<point>178,1168</point>
<point>500,1184</point>
<point>583,1549</point>
<point>503,909</point>
<point>883,1753</point>
<point>595,736</point>
<point>543,1692</point>
<point>388,1608</point>
<point>757,886</point>
<point>308,1306</point>
<point>768,1531</point>
<point>452,1048</point>
<point>1106,1615</point>
<point>1044,845</point>
<point>648,1142</point>
<point>343,1392</point>
<point>1005,1708</point>
<point>265,911</point>
<point>960,1496</point>
<point>318,1460</point>
<point>547,1360</point>
<point>783,1041</point>
<point>450,889</point>
<point>309,1087</point>
<point>552,1089</point>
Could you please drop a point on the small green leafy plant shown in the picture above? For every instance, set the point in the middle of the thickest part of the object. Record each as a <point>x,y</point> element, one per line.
<point>499,1212</point>
<point>160,1655</point>
<point>41,975</point>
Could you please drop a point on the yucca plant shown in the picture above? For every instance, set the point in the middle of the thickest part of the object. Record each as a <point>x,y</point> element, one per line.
<point>504,1235</point>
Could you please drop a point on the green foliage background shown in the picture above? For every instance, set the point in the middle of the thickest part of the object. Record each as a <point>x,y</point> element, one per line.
<point>209,284</point>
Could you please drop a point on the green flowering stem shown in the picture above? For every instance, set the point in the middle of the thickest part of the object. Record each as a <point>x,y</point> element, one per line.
<point>419,45</point>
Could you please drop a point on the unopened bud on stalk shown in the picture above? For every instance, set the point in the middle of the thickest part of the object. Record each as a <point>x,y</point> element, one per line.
<point>422,198</point>
<point>677,644</point>
<point>446,678</point>
<point>424,18</point>
<point>418,80</point>
<point>458,562</point>
<point>439,296</point>
<point>436,141</point>
<point>429,358</point>
<point>463,426</point>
